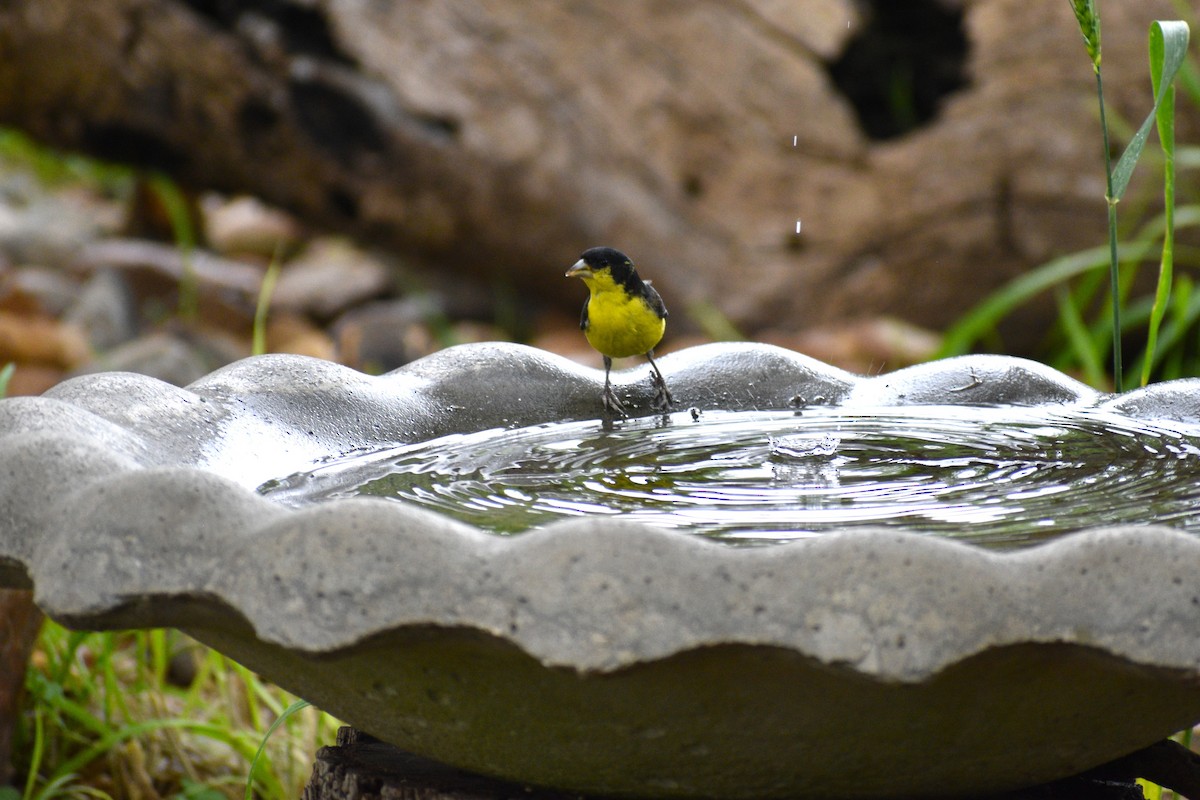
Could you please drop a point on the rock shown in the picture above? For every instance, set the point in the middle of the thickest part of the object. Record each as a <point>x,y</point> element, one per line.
<point>105,311</point>
<point>159,277</point>
<point>291,333</point>
<point>36,339</point>
<point>46,226</point>
<point>158,355</point>
<point>44,289</point>
<point>217,344</point>
<point>184,664</point>
<point>386,334</point>
<point>33,379</point>
<point>248,226</point>
<point>328,277</point>
<point>868,346</point>
<point>209,271</point>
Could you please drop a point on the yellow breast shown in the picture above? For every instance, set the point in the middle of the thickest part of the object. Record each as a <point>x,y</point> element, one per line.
<point>620,325</point>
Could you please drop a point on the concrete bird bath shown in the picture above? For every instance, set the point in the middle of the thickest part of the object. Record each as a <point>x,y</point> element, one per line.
<point>595,654</point>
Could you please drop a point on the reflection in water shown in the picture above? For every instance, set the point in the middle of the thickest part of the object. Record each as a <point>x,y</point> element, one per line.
<point>1001,476</point>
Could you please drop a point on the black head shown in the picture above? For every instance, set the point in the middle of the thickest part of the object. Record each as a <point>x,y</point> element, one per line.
<point>622,268</point>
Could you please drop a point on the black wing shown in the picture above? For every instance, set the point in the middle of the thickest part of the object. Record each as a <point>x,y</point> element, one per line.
<point>652,299</point>
<point>583,318</point>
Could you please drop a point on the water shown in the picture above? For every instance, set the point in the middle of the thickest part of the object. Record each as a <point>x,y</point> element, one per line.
<point>1003,477</point>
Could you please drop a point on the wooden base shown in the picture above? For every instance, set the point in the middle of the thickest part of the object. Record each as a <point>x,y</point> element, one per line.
<point>364,768</point>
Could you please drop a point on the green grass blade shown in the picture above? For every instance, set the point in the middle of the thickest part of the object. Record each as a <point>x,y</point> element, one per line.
<point>979,322</point>
<point>262,747</point>
<point>1150,790</point>
<point>1169,39</point>
<point>713,322</point>
<point>175,203</point>
<point>1164,117</point>
<point>984,317</point>
<point>75,731</point>
<point>108,742</point>
<point>1183,315</point>
<point>265,291</point>
<point>39,746</point>
<point>1078,338</point>
<point>1114,273</point>
<point>6,374</point>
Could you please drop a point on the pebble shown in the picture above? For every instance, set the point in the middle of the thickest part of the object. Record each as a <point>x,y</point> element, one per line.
<point>45,290</point>
<point>386,334</point>
<point>158,355</point>
<point>178,353</point>
<point>33,379</point>
<point>105,311</point>
<point>39,339</point>
<point>328,277</point>
<point>244,226</point>
<point>208,270</point>
<point>48,228</point>
<point>291,333</point>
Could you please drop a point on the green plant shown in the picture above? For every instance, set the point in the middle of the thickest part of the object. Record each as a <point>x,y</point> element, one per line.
<point>294,708</point>
<point>179,214</point>
<point>263,305</point>
<point>1079,344</point>
<point>6,373</point>
<point>104,720</point>
<point>713,322</point>
<point>52,167</point>
<point>1168,45</point>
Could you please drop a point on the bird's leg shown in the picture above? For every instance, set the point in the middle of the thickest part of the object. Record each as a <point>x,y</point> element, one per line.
<point>612,404</point>
<point>662,395</point>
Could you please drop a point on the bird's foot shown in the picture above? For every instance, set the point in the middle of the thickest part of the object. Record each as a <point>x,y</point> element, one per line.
<point>663,400</point>
<point>612,404</point>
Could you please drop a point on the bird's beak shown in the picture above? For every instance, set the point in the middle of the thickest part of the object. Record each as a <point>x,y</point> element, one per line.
<point>579,270</point>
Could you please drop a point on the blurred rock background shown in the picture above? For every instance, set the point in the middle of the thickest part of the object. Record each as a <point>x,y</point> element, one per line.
<point>843,177</point>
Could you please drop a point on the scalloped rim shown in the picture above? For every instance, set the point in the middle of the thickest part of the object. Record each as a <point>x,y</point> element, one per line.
<point>162,507</point>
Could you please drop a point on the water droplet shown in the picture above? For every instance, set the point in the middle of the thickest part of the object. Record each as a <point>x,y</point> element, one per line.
<point>804,446</point>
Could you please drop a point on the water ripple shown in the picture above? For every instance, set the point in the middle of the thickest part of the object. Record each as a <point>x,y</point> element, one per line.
<point>1003,476</point>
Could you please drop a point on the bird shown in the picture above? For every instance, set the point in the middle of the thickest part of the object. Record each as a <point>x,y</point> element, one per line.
<point>623,316</point>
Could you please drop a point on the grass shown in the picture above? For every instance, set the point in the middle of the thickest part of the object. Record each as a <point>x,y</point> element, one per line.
<point>179,214</point>
<point>1092,327</point>
<point>105,718</point>
<point>54,168</point>
<point>263,306</point>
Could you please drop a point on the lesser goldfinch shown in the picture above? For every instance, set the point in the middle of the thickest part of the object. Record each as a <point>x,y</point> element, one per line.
<point>623,316</point>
